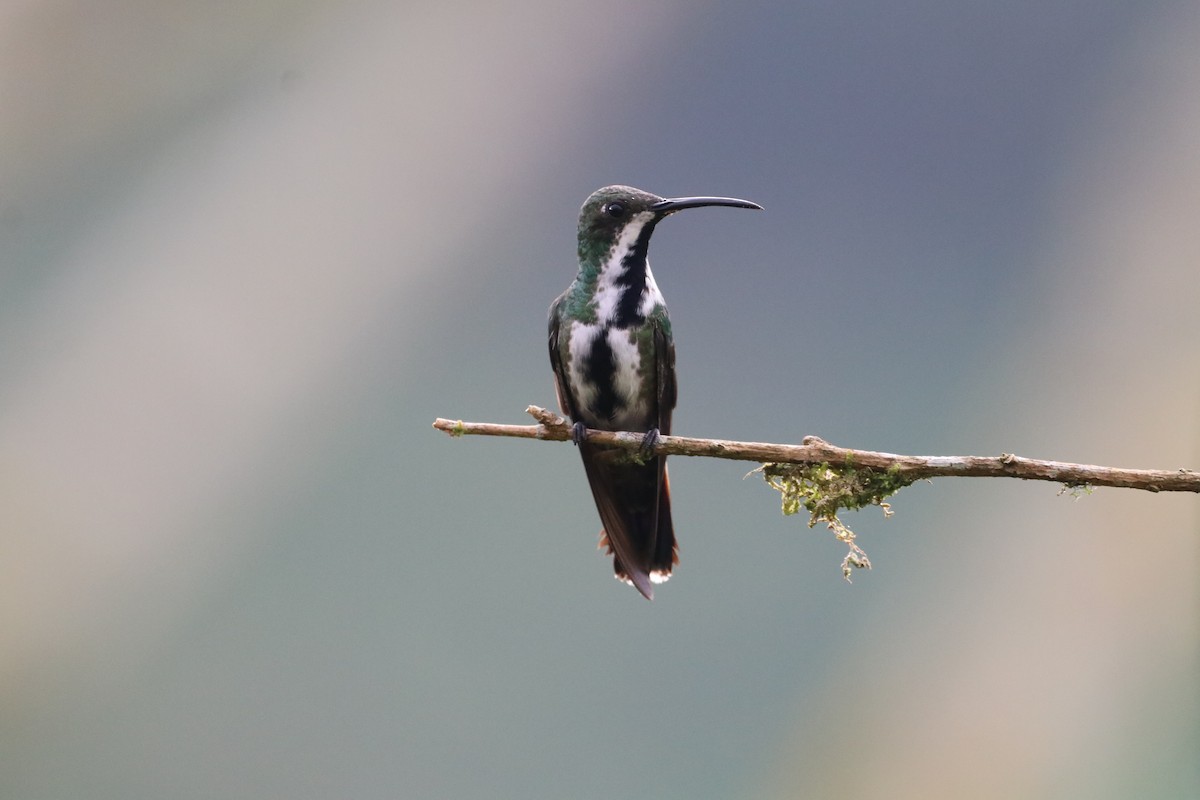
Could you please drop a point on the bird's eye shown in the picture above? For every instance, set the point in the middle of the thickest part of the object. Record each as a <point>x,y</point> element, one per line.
<point>615,209</point>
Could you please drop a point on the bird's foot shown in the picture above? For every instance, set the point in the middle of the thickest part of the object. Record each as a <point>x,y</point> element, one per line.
<point>579,433</point>
<point>649,442</point>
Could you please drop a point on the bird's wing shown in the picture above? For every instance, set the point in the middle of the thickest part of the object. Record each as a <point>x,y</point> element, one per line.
<point>665,554</point>
<point>566,403</point>
<point>664,356</point>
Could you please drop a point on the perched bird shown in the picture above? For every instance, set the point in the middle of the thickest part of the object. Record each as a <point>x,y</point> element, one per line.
<point>614,370</point>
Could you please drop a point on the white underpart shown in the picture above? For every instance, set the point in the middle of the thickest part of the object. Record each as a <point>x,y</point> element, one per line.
<point>628,361</point>
<point>651,296</point>
<point>580,338</point>
<point>626,356</point>
<point>608,294</point>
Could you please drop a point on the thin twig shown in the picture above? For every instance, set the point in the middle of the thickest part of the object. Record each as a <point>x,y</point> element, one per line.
<point>817,451</point>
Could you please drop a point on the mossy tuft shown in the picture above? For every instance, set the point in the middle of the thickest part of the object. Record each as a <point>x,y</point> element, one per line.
<point>823,490</point>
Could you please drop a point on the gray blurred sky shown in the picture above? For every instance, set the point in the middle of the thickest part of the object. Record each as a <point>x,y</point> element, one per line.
<point>249,251</point>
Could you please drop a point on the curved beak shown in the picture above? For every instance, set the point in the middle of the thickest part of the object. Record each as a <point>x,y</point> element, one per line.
<point>672,204</point>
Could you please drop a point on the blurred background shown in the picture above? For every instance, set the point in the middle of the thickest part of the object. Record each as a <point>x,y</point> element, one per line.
<point>249,251</point>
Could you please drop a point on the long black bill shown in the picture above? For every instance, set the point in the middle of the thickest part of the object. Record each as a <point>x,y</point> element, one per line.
<point>673,204</point>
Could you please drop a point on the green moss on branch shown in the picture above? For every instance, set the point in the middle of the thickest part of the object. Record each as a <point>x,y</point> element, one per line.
<point>824,490</point>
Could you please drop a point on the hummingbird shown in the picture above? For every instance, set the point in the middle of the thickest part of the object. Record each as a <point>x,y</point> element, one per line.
<point>613,357</point>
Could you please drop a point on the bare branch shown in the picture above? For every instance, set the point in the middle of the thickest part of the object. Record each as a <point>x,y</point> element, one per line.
<point>815,451</point>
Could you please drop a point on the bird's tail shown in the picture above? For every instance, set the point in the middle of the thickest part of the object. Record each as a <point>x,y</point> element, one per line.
<point>646,551</point>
